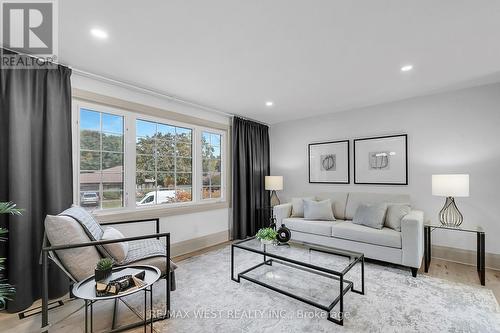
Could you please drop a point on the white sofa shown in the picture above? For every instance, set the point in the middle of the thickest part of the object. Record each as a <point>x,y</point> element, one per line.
<point>401,248</point>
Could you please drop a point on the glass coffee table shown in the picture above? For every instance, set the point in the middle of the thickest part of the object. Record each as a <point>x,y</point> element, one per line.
<point>303,271</point>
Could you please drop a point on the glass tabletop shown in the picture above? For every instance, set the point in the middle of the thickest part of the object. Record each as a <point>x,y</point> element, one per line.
<point>459,228</point>
<point>311,254</point>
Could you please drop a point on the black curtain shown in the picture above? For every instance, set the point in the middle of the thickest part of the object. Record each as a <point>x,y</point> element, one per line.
<point>35,170</point>
<point>250,166</point>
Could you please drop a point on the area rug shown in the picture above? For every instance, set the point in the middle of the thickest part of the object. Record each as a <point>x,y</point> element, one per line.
<point>207,300</point>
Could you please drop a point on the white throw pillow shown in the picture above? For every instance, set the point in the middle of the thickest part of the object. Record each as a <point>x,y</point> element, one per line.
<point>318,210</point>
<point>395,212</point>
<point>298,206</point>
<point>370,215</point>
<point>118,251</point>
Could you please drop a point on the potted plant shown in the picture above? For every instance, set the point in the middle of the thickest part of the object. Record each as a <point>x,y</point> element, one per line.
<point>103,269</point>
<point>266,235</point>
<point>6,290</point>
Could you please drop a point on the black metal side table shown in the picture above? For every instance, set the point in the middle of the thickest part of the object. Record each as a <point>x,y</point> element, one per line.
<point>85,290</point>
<point>428,228</point>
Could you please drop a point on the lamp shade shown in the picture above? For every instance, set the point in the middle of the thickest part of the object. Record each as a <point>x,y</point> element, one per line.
<point>450,185</point>
<point>274,183</point>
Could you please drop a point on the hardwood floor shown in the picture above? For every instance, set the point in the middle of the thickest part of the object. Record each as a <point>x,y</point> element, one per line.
<point>10,323</point>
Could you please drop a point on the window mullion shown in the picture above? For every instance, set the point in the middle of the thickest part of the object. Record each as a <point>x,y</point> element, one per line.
<point>129,161</point>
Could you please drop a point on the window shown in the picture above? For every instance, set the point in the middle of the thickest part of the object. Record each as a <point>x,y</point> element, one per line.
<point>211,165</point>
<point>164,164</point>
<point>101,160</point>
<point>125,160</point>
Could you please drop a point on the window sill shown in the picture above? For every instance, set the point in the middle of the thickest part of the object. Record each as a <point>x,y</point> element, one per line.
<point>156,212</point>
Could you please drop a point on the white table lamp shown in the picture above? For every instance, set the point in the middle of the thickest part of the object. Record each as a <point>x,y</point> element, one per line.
<point>450,186</point>
<point>273,184</point>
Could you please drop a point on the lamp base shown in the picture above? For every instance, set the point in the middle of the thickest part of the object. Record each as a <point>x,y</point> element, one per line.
<point>450,215</point>
<point>274,199</point>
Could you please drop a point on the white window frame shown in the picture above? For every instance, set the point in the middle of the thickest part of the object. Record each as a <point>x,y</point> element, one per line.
<point>194,176</point>
<point>223,141</point>
<point>129,160</point>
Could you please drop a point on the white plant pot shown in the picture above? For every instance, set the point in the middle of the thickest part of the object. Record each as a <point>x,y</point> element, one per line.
<point>267,241</point>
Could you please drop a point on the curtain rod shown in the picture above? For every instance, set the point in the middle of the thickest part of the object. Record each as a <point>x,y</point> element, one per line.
<point>142,89</point>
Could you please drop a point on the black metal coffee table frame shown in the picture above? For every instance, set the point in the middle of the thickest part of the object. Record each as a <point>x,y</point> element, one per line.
<point>329,273</point>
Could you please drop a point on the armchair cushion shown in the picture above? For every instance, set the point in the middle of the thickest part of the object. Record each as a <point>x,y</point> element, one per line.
<point>147,252</point>
<point>89,225</point>
<point>118,251</point>
<point>64,230</point>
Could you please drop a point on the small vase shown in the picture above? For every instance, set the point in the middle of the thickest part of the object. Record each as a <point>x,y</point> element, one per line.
<point>102,275</point>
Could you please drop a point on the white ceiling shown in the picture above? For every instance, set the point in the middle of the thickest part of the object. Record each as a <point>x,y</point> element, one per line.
<point>309,57</point>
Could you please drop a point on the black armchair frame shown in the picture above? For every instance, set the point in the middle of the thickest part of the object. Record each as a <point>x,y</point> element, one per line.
<point>167,276</point>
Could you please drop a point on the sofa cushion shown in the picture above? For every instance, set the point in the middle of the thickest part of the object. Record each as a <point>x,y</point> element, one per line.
<point>323,228</point>
<point>298,206</point>
<point>338,199</point>
<point>65,230</point>
<point>360,233</point>
<point>395,212</point>
<point>370,215</point>
<point>318,210</point>
<point>355,199</point>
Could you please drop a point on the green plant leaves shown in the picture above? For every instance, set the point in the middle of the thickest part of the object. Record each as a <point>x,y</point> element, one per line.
<point>266,234</point>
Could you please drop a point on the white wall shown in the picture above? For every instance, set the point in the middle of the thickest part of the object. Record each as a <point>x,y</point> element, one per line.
<point>457,132</point>
<point>181,227</point>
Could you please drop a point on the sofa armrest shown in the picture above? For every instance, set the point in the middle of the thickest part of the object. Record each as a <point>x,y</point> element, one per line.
<point>281,212</point>
<point>412,238</point>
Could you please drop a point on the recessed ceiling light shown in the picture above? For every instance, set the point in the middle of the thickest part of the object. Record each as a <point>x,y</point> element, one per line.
<point>406,68</point>
<point>99,33</point>
<point>269,103</point>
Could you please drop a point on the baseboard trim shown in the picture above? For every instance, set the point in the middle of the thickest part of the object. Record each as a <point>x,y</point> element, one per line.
<point>195,244</point>
<point>467,257</point>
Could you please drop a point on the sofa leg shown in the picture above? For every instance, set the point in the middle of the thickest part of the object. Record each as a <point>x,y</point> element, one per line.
<point>414,271</point>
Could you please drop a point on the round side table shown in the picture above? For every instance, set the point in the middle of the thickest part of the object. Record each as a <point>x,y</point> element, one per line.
<point>85,290</point>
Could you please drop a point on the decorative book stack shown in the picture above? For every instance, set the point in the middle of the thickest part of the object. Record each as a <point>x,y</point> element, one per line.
<point>120,285</point>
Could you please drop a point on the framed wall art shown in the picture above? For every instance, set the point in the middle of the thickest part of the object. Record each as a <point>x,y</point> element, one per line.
<point>329,162</point>
<point>381,160</point>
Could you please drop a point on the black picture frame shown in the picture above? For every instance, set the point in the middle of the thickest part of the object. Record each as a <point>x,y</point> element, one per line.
<point>348,161</point>
<point>378,138</point>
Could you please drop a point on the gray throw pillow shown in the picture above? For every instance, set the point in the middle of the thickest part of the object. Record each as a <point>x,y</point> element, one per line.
<point>298,206</point>
<point>318,210</point>
<point>89,224</point>
<point>395,212</point>
<point>370,215</point>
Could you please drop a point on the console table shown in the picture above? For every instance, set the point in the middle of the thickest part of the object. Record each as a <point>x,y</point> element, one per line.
<point>428,228</point>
